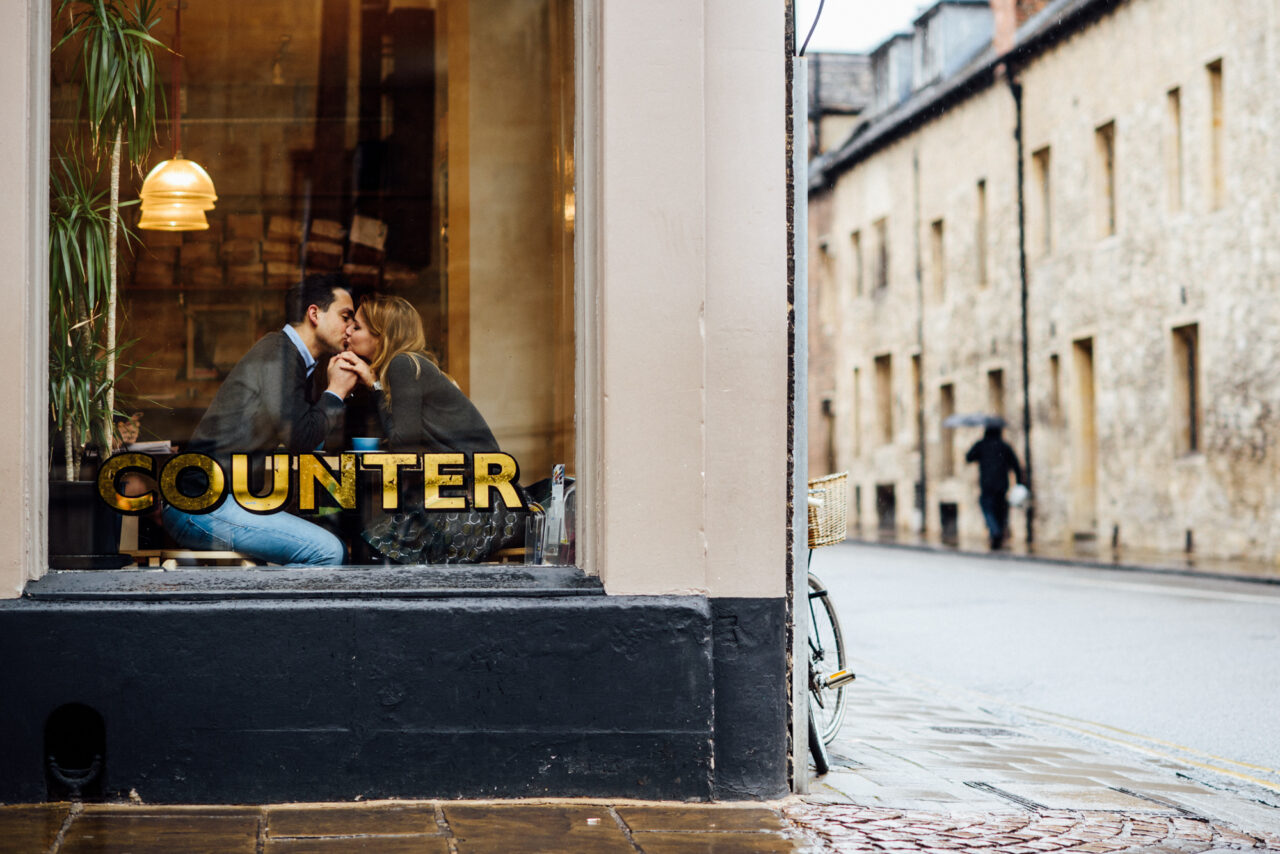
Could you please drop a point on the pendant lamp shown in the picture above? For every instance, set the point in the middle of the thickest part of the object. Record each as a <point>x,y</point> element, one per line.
<point>178,191</point>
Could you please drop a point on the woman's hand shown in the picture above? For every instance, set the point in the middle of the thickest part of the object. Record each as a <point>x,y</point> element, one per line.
<point>351,362</point>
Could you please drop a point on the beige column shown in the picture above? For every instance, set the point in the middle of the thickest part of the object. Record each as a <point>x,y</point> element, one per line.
<point>689,287</point>
<point>24,140</point>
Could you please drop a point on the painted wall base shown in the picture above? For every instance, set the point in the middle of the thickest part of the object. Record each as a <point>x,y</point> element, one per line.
<point>300,699</point>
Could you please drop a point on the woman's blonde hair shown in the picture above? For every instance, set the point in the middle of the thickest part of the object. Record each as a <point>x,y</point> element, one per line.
<point>398,327</point>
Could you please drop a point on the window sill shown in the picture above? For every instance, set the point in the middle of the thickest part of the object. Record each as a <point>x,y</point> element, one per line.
<point>377,582</point>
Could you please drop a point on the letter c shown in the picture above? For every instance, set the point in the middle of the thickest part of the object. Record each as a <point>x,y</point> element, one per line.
<point>111,471</point>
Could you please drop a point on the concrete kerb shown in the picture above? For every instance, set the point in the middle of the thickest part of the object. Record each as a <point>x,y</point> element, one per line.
<point>1085,563</point>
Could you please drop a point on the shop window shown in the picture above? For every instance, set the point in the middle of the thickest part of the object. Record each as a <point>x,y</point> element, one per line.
<point>420,155</point>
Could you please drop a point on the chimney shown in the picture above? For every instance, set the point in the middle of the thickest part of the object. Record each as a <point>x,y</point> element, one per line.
<point>1005,15</point>
<point>1009,15</point>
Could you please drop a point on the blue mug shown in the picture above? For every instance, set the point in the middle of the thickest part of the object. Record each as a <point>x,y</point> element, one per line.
<point>365,443</point>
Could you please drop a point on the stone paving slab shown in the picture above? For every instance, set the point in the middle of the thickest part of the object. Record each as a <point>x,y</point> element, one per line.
<point>423,827</point>
<point>916,771</point>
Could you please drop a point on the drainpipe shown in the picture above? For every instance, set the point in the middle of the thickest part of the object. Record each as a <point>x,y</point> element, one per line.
<point>1015,88</point>
<point>922,490</point>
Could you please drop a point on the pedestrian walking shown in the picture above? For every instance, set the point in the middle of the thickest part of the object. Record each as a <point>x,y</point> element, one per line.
<point>995,459</point>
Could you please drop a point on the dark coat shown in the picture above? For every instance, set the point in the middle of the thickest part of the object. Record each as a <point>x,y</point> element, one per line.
<point>428,412</point>
<point>995,460</point>
<point>267,402</point>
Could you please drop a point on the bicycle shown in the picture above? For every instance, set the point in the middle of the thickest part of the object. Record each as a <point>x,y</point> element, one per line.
<point>828,512</point>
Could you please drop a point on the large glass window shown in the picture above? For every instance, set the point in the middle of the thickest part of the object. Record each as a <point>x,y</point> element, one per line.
<point>416,153</point>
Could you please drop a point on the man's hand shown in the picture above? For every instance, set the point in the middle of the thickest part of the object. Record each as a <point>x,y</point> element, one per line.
<point>342,374</point>
<point>359,366</point>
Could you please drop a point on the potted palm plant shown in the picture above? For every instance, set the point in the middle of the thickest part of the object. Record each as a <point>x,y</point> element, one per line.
<point>118,94</point>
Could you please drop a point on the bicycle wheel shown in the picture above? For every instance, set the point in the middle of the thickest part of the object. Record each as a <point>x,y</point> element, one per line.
<point>827,656</point>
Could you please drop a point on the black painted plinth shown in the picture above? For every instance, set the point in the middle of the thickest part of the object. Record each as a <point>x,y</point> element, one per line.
<point>303,699</point>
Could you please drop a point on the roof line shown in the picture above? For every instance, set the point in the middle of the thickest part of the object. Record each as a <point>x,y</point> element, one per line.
<point>1053,24</point>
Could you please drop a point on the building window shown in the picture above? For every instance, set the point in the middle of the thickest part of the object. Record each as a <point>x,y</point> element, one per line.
<point>995,392</point>
<point>855,243</point>
<point>917,398</point>
<point>884,397</point>
<point>980,234</point>
<point>1043,202</point>
<point>857,412</point>
<point>1173,150</point>
<point>947,435</point>
<point>1186,398</point>
<point>1055,390</point>
<point>938,258</point>
<point>1216,134</point>
<point>1105,148</point>
<point>828,290</point>
<point>421,153</point>
<point>882,253</point>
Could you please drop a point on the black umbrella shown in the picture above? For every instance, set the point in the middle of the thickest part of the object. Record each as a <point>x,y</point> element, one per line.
<point>974,419</point>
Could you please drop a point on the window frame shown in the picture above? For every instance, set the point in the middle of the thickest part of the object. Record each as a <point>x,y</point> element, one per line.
<point>30,347</point>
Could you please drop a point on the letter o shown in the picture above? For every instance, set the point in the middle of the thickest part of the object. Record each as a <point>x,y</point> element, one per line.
<point>200,503</point>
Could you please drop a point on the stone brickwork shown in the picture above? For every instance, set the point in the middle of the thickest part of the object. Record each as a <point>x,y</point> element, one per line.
<point>1136,271</point>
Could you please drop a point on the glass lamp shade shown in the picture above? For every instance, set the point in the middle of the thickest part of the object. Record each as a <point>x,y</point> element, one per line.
<point>175,195</point>
<point>173,216</point>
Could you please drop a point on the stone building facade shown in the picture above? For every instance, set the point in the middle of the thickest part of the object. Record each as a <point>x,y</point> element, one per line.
<point>1135,358</point>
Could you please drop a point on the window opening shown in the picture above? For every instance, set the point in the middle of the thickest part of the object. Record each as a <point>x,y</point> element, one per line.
<point>882,253</point>
<point>995,392</point>
<point>1105,143</point>
<point>980,234</point>
<point>938,258</point>
<point>855,241</point>
<point>884,397</point>
<point>1173,155</point>
<point>1216,135</point>
<point>947,435</point>
<point>1040,161</point>
<point>1185,384</point>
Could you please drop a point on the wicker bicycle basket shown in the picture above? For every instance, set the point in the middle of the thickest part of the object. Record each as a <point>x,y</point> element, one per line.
<point>828,509</point>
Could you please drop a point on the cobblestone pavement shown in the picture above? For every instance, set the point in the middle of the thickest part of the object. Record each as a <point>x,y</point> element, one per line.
<point>850,828</point>
<point>915,771</point>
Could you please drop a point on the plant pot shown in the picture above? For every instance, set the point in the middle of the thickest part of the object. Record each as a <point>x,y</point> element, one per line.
<point>83,532</point>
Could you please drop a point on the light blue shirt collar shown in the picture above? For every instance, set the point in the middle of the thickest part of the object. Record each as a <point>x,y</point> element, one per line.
<point>307,359</point>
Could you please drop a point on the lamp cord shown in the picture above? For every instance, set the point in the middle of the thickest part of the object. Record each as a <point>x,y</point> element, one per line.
<point>176,94</point>
<point>816,16</point>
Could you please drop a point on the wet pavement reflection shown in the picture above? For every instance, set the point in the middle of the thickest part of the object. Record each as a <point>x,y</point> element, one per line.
<point>424,827</point>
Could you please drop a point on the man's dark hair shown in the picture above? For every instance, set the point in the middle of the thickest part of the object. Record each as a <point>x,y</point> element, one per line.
<point>316,289</point>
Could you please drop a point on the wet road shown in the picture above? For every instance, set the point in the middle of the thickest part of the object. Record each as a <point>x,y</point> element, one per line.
<point>1176,666</point>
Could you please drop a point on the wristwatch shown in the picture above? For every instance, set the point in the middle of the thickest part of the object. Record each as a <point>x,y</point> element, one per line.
<point>377,385</point>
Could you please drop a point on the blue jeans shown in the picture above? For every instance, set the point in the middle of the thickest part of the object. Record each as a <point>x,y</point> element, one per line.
<point>279,538</point>
<point>995,511</point>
